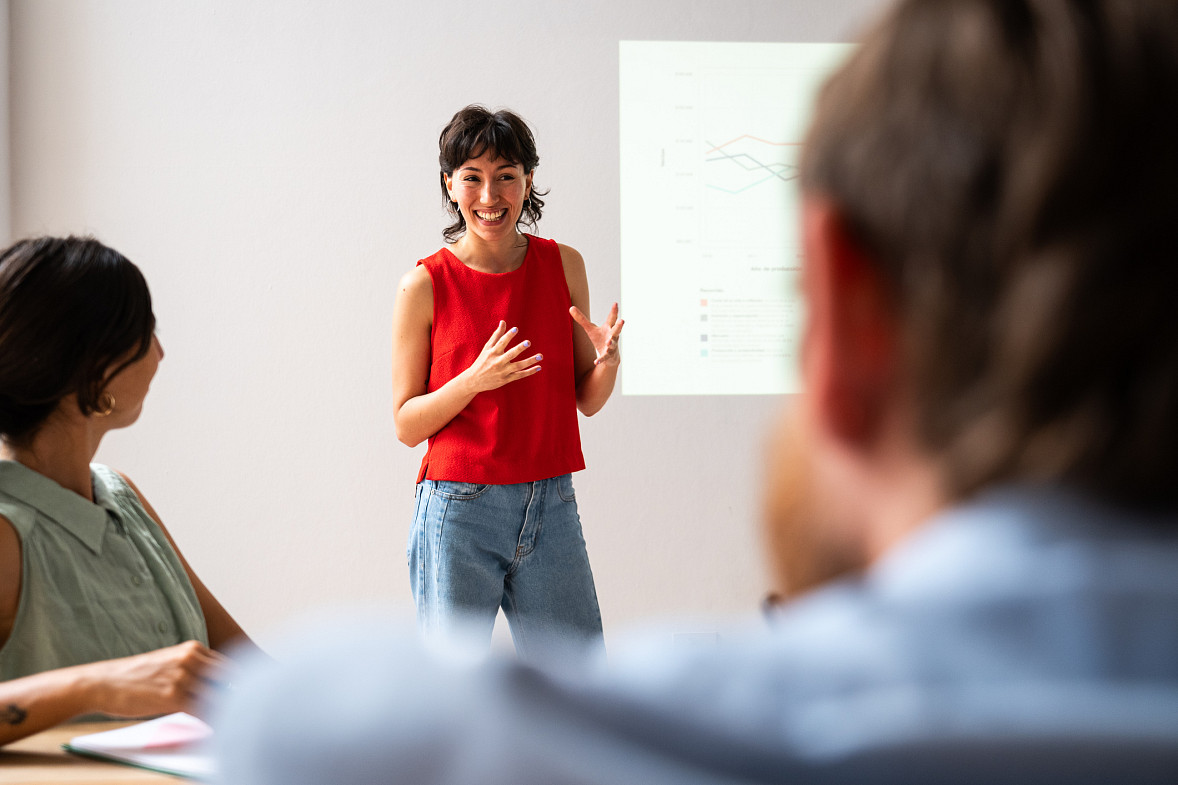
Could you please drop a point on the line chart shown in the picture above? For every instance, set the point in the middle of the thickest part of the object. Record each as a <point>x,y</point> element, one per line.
<point>752,163</point>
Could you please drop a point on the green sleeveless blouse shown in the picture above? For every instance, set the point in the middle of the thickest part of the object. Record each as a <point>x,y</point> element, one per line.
<point>100,579</point>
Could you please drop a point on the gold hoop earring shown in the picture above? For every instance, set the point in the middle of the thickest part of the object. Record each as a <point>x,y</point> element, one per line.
<point>107,403</point>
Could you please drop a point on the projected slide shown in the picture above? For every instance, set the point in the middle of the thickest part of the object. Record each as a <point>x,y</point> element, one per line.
<point>710,134</point>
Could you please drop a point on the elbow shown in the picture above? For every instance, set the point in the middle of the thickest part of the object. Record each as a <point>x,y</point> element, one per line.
<point>405,434</point>
<point>408,439</point>
<point>589,408</point>
<point>594,388</point>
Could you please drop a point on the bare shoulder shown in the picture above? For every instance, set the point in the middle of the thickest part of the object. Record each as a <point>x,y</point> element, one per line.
<point>571,258</point>
<point>574,275</point>
<point>415,296</point>
<point>416,283</point>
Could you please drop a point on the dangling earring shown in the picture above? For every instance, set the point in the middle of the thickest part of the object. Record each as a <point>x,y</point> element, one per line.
<point>107,403</point>
<point>527,202</point>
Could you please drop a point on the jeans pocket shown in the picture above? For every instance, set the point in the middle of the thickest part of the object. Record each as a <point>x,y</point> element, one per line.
<point>451,489</point>
<point>564,486</point>
<point>415,523</point>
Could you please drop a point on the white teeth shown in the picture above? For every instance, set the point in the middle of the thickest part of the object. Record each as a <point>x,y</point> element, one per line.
<point>495,216</point>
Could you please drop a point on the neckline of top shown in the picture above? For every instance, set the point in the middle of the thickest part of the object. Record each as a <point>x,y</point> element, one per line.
<point>523,262</point>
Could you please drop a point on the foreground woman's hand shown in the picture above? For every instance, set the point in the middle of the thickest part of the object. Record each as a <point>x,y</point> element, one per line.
<point>158,682</point>
<point>143,685</point>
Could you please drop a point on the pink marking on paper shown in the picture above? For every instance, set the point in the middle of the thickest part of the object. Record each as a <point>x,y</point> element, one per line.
<point>177,734</point>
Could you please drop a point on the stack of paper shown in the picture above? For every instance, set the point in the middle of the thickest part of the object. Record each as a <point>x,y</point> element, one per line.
<point>174,744</point>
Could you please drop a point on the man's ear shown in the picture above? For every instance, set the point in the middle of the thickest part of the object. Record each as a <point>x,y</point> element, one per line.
<point>852,339</point>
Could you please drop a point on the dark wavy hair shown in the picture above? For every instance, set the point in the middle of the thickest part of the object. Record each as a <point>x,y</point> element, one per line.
<point>73,313</point>
<point>1011,165</point>
<point>475,130</point>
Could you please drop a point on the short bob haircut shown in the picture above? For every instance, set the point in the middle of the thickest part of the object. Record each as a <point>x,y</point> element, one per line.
<point>73,314</point>
<point>475,130</point>
<point>1011,166</point>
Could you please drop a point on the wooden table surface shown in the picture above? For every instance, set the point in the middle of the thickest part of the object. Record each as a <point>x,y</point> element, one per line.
<point>40,759</point>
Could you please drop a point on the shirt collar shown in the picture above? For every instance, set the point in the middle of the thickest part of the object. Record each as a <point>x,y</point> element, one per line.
<point>85,520</point>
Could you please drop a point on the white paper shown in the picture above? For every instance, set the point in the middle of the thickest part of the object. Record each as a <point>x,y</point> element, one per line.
<point>175,744</point>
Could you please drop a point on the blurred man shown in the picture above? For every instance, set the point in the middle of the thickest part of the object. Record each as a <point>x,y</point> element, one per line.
<point>973,506</point>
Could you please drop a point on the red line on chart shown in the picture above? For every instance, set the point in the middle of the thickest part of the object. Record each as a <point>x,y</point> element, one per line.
<point>755,139</point>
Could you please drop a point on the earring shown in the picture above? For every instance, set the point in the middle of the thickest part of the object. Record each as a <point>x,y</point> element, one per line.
<point>107,402</point>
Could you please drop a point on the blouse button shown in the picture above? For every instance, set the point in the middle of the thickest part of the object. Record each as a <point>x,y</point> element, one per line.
<point>162,626</point>
<point>135,579</point>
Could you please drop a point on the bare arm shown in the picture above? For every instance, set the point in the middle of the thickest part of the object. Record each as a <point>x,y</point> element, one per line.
<point>158,682</point>
<point>417,413</point>
<point>595,347</point>
<point>223,629</point>
<point>11,575</point>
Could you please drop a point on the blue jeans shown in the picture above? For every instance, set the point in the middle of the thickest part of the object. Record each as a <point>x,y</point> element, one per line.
<point>475,548</point>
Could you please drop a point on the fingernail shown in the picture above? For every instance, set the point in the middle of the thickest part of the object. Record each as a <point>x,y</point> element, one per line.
<point>513,330</point>
<point>527,344</point>
<point>539,357</point>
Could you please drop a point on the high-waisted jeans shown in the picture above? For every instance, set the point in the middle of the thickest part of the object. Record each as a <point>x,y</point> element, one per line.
<point>475,548</point>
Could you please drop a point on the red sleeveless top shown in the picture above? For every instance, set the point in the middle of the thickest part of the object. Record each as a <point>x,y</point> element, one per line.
<point>525,430</point>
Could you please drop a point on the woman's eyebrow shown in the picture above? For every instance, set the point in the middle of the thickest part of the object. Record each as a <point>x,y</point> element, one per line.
<point>479,169</point>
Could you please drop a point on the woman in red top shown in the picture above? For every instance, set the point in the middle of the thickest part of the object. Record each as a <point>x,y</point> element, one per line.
<point>492,357</point>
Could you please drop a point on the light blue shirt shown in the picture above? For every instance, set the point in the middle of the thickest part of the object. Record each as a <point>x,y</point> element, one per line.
<point>1026,614</point>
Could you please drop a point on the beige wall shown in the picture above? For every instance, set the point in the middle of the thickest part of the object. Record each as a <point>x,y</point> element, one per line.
<point>5,149</point>
<point>272,168</point>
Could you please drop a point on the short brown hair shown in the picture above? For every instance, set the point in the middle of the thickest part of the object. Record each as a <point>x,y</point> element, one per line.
<point>1012,165</point>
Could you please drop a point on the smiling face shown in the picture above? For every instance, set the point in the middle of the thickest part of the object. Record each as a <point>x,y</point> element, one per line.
<point>490,193</point>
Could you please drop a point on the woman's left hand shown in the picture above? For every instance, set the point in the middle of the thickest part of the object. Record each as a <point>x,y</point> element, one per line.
<point>604,336</point>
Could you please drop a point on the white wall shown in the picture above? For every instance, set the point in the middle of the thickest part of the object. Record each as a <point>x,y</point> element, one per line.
<point>272,169</point>
<point>5,151</point>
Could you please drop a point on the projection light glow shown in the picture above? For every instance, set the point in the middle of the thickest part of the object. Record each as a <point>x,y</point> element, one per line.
<point>710,135</point>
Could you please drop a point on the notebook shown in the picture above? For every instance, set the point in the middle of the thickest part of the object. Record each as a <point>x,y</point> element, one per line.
<point>175,744</point>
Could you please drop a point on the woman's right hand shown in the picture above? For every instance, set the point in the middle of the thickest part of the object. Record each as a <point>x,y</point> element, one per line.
<point>419,412</point>
<point>157,682</point>
<point>496,364</point>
